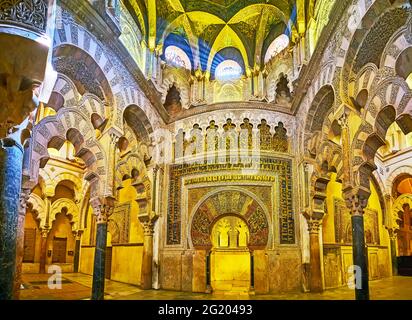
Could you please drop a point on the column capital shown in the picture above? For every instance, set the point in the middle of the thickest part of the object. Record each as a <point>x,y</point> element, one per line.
<point>45,232</point>
<point>103,208</point>
<point>114,134</point>
<point>314,220</point>
<point>393,233</point>
<point>148,228</point>
<point>356,203</point>
<point>343,119</point>
<point>24,197</point>
<point>313,226</point>
<point>77,234</point>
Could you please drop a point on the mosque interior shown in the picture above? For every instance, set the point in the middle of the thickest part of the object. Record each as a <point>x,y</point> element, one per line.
<point>259,147</point>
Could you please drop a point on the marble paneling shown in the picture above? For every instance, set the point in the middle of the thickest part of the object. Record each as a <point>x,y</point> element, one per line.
<point>199,271</point>
<point>332,266</point>
<point>127,264</point>
<point>171,271</point>
<point>187,271</point>
<point>261,272</point>
<point>285,270</point>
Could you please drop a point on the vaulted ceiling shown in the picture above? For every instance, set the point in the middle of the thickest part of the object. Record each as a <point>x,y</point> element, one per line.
<point>206,27</point>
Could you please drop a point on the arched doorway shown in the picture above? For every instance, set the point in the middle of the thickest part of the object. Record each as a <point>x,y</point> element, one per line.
<point>230,266</point>
<point>227,227</point>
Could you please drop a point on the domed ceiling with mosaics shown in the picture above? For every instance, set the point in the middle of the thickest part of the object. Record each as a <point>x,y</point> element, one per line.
<point>230,29</point>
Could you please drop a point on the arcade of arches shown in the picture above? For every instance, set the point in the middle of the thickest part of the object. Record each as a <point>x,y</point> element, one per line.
<point>206,146</point>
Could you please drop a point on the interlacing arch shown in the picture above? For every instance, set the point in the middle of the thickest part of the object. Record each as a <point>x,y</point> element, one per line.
<point>69,124</point>
<point>322,80</point>
<point>331,154</point>
<point>65,94</point>
<point>317,126</point>
<point>355,46</point>
<point>135,119</point>
<point>132,167</point>
<point>116,79</point>
<point>386,105</point>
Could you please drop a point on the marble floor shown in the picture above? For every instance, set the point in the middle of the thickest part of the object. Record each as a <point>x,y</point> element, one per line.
<point>77,286</point>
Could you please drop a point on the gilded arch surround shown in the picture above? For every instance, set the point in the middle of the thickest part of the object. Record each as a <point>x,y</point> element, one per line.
<point>247,206</point>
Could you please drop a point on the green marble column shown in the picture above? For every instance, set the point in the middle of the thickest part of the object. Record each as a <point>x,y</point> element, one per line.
<point>360,257</point>
<point>99,262</point>
<point>11,162</point>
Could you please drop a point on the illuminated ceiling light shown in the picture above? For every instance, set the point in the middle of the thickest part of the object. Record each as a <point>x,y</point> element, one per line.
<point>177,57</point>
<point>228,70</point>
<point>278,45</point>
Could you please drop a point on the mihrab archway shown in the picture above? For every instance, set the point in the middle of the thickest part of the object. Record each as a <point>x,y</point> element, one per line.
<point>229,202</point>
<point>229,225</point>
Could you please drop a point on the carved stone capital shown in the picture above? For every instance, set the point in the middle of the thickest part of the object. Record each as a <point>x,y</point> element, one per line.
<point>344,120</point>
<point>356,204</point>
<point>314,220</point>
<point>102,208</point>
<point>148,228</point>
<point>313,226</point>
<point>77,234</point>
<point>45,232</point>
<point>393,233</point>
<point>24,197</point>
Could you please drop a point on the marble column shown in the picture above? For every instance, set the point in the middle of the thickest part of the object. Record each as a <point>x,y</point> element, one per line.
<point>314,217</point>
<point>146,280</point>
<point>103,210</point>
<point>11,162</point>
<point>394,258</point>
<point>77,252</point>
<point>24,196</point>
<point>315,268</point>
<point>357,204</point>
<point>43,249</point>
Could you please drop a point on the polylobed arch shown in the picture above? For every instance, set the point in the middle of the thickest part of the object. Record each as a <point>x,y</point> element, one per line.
<point>38,207</point>
<point>175,78</point>
<point>370,137</point>
<point>69,208</point>
<point>53,131</point>
<point>127,168</point>
<point>65,94</point>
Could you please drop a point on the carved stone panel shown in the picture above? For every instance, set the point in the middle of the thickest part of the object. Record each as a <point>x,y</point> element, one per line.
<point>343,224</point>
<point>119,223</point>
